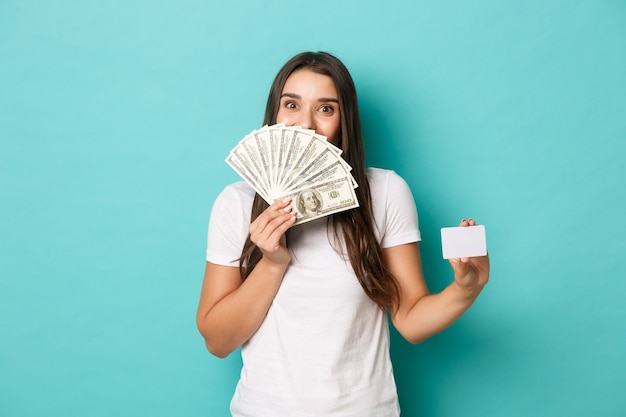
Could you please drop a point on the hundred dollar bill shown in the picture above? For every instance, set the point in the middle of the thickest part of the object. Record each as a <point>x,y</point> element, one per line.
<point>324,167</point>
<point>260,143</point>
<point>283,143</point>
<point>322,199</point>
<point>249,147</point>
<point>297,140</point>
<point>240,162</point>
<point>288,144</point>
<point>275,137</point>
<point>313,156</point>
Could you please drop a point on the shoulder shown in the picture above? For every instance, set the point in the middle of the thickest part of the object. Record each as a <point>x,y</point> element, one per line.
<point>228,224</point>
<point>234,199</point>
<point>395,214</point>
<point>239,191</point>
<point>381,180</point>
<point>230,214</point>
<point>240,188</point>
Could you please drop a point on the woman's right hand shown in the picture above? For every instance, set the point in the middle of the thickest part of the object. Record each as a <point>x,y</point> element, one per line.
<point>231,309</point>
<point>267,231</point>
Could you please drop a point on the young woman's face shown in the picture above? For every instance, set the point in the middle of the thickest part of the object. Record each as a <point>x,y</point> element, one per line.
<point>310,100</point>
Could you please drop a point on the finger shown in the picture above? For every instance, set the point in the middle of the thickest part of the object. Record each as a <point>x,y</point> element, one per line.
<point>273,241</point>
<point>276,209</point>
<point>459,266</point>
<point>268,237</point>
<point>461,260</point>
<point>282,224</point>
<point>466,222</point>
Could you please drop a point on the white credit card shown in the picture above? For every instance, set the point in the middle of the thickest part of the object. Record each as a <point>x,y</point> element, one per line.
<point>463,242</point>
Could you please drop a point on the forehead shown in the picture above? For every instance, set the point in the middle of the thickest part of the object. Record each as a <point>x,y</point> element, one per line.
<point>306,82</point>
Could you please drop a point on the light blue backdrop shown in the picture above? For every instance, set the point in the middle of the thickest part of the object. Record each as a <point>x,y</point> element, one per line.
<point>115,118</point>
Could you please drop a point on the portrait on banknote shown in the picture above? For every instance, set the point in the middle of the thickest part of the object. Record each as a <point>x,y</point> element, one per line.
<point>309,203</point>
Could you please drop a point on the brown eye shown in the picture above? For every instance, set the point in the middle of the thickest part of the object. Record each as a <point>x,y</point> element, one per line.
<point>290,105</point>
<point>327,109</point>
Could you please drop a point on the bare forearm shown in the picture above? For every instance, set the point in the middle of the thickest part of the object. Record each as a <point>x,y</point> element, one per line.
<point>434,313</point>
<point>236,317</point>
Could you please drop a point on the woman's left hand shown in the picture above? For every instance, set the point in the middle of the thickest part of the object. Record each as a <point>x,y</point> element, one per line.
<point>471,274</point>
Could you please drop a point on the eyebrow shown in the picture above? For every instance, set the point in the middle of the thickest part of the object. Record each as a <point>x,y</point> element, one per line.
<point>321,99</point>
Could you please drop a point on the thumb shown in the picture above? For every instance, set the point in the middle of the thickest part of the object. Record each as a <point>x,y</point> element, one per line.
<point>460,266</point>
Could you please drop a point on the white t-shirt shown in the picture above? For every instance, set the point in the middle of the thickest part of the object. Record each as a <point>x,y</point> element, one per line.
<point>323,348</point>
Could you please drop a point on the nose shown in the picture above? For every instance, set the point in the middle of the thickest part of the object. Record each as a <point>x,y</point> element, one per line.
<point>306,120</point>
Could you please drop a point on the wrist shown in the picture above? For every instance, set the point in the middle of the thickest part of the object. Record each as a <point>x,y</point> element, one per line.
<point>273,266</point>
<point>465,291</point>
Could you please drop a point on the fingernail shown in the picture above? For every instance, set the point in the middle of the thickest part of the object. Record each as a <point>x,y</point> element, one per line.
<point>287,209</point>
<point>286,199</point>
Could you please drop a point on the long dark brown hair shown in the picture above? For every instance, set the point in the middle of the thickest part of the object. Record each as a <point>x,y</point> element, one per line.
<point>355,228</point>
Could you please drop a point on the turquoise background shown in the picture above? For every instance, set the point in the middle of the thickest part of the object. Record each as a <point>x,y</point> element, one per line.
<point>116,117</point>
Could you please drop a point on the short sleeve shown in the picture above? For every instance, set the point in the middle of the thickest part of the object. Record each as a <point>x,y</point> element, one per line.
<point>229,223</point>
<point>394,208</point>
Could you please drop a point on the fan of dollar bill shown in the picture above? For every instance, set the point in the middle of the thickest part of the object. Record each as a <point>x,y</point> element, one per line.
<point>287,161</point>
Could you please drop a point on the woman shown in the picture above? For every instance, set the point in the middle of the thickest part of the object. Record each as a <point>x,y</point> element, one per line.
<point>309,304</point>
